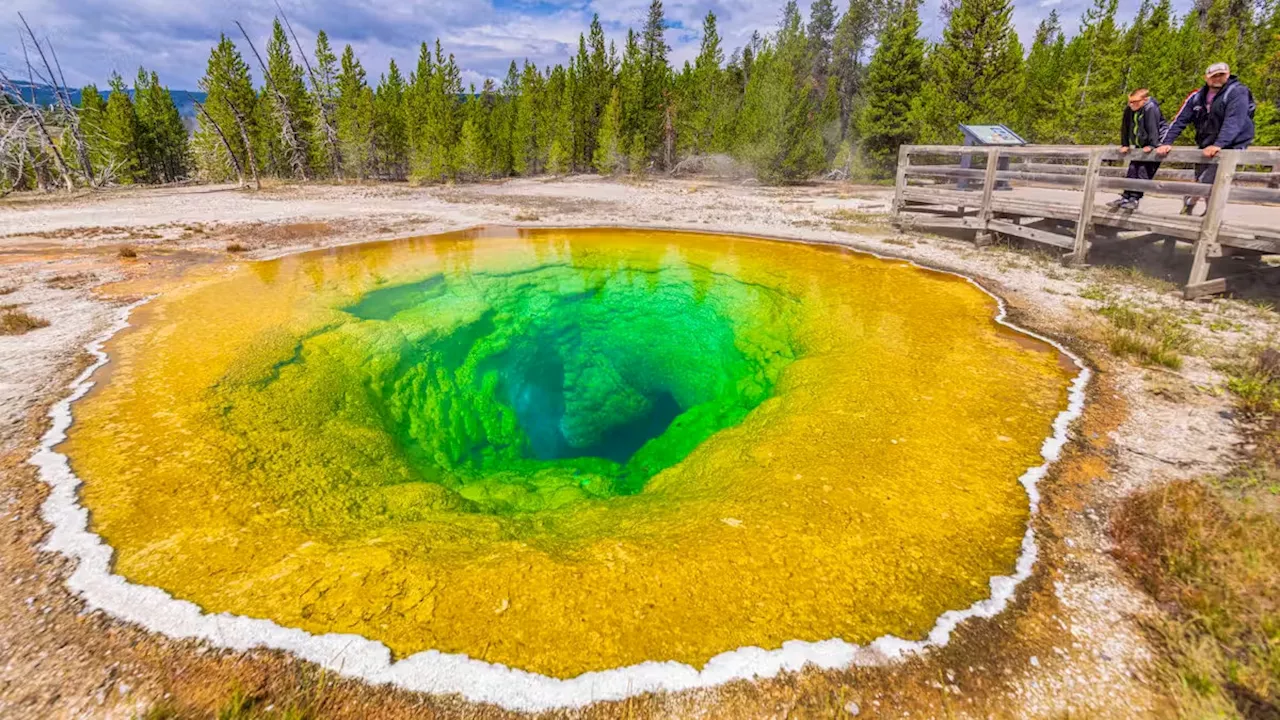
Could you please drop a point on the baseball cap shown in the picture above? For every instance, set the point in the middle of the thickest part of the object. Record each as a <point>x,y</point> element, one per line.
<point>1216,68</point>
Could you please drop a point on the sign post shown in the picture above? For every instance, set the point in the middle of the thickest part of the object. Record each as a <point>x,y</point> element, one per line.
<point>989,136</point>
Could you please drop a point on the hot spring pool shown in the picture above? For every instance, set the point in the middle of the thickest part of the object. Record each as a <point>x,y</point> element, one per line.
<point>566,451</point>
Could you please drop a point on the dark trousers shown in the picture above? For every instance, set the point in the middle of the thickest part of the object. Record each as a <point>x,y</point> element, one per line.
<point>1139,170</point>
<point>1206,173</point>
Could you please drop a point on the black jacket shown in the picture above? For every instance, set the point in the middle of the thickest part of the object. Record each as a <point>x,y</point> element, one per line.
<point>1146,133</point>
<point>1227,124</point>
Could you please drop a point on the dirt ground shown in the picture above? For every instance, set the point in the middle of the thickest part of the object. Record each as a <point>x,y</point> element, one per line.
<point>1070,646</point>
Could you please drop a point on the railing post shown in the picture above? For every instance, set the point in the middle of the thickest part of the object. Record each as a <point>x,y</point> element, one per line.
<point>904,159</point>
<point>1091,174</point>
<point>985,236</point>
<point>1207,243</point>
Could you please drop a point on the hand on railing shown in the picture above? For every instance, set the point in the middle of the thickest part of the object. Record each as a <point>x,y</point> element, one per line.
<point>1124,149</point>
<point>1211,151</point>
<point>1147,149</point>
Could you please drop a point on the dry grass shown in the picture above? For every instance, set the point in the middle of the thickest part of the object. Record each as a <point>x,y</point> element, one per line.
<point>1209,552</point>
<point>105,232</point>
<point>1213,562</point>
<point>525,216</point>
<point>18,322</point>
<point>1255,381</point>
<point>71,281</point>
<point>236,247</point>
<point>290,233</point>
<point>1150,336</point>
<point>1134,276</point>
<point>857,217</point>
<point>127,252</point>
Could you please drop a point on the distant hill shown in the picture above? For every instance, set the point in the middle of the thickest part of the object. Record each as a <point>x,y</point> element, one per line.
<point>44,95</point>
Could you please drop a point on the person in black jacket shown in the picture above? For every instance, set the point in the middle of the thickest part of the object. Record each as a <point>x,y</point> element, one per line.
<point>1143,126</point>
<point>1222,112</point>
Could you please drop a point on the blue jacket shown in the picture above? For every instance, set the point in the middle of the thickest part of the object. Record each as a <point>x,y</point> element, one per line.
<point>1143,128</point>
<point>1227,124</point>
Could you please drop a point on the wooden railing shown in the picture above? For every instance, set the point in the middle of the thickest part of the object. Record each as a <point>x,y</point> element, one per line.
<point>932,192</point>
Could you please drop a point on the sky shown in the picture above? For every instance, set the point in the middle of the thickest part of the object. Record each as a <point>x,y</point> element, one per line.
<point>94,37</point>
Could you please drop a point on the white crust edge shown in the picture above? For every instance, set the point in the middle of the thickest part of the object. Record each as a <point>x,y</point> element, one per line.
<point>432,671</point>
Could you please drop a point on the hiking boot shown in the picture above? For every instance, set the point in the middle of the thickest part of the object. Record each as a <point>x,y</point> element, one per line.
<point>1128,204</point>
<point>1118,203</point>
<point>1189,205</point>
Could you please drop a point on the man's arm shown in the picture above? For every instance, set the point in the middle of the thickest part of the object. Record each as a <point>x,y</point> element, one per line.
<point>1126,127</point>
<point>1154,121</point>
<point>1237,116</point>
<point>1180,122</point>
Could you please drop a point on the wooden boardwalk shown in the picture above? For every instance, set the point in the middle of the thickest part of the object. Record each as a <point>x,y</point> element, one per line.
<point>1019,192</point>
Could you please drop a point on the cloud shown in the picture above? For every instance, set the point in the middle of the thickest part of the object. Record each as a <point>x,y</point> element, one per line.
<point>95,37</point>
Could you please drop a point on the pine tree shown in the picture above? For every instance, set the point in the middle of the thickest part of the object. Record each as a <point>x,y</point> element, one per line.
<point>1152,42</point>
<point>355,117</point>
<point>288,132</point>
<point>325,78</point>
<point>391,131</point>
<point>437,148</point>
<point>655,78</point>
<point>1264,77</point>
<point>895,78</point>
<point>975,73</point>
<point>1226,24</point>
<point>525,156</point>
<point>473,143</point>
<point>608,156</point>
<point>829,120</point>
<point>703,126</point>
<point>638,155</point>
<point>822,28</point>
<point>583,104</point>
<point>1097,84</point>
<point>1189,58</point>
<point>597,84</point>
<point>548,112</point>
<point>120,126</point>
<point>848,47</point>
<point>1041,99</point>
<point>93,111</point>
<point>501,119</point>
<point>162,138</point>
<point>231,102</point>
<point>148,170</point>
<point>631,83</point>
<point>560,154</point>
<point>778,130</point>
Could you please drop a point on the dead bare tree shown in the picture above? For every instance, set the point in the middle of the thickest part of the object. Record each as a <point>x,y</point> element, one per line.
<point>326,123</point>
<point>231,153</point>
<point>35,114</point>
<point>243,124</point>
<point>70,119</point>
<point>292,142</point>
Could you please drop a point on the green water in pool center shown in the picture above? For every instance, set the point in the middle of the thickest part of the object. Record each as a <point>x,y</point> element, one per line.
<point>538,388</point>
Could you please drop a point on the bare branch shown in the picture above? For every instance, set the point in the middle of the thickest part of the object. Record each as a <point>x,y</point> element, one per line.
<point>330,135</point>
<point>225,143</point>
<point>58,82</point>
<point>291,139</point>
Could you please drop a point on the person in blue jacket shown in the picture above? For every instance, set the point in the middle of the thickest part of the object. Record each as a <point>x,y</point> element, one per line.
<point>1142,126</point>
<point>1222,112</point>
